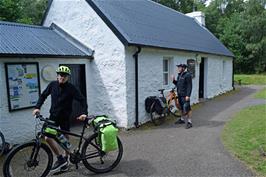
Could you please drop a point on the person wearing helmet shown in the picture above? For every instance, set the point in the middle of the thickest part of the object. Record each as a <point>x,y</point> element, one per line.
<point>62,95</point>
<point>184,89</point>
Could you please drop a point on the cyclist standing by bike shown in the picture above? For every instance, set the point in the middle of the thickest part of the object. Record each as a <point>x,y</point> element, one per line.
<point>184,89</point>
<point>62,95</point>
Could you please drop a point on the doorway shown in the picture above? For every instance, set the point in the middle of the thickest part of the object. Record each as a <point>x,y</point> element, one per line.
<point>201,78</point>
<point>78,79</point>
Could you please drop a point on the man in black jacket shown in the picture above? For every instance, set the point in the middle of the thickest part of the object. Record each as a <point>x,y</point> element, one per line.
<point>184,89</point>
<point>62,95</point>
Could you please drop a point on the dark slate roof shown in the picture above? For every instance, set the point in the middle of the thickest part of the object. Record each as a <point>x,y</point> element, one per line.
<point>146,23</point>
<point>37,41</point>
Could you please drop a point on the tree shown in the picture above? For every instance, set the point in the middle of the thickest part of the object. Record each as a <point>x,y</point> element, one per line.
<point>254,31</point>
<point>24,11</point>
<point>10,10</point>
<point>184,6</point>
<point>240,25</point>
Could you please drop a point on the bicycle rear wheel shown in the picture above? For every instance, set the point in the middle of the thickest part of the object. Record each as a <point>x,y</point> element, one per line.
<point>157,119</point>
<point>28,160</point>
<point>98,161</point>
<point>2,144</point>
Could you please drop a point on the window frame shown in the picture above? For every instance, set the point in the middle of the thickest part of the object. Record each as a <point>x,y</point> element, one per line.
<point>168,59</point>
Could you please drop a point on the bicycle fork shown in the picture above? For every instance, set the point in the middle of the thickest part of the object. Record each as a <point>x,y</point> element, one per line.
<point>32,162</point>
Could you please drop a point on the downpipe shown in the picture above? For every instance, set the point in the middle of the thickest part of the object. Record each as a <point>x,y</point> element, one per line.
<point>136,56</point>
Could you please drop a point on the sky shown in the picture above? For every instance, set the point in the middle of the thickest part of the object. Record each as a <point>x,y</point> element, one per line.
<point>207,2</point>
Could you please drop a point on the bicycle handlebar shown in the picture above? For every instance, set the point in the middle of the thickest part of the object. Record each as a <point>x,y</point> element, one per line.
<point>39,116</point>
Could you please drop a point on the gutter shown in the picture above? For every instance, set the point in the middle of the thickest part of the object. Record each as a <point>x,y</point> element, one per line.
<point>136,56</point>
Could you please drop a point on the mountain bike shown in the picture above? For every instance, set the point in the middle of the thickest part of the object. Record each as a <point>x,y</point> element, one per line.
<point>169,104</point>
<point>2,144</point>
<point>35,158</point>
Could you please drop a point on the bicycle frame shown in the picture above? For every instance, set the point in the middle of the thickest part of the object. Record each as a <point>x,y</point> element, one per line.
<point>172,96</point>
<point>80,136</point>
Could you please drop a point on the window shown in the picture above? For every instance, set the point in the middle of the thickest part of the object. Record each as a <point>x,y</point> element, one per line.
<point>166,71</point>
<point>191,67</point>
<point>224,69</point>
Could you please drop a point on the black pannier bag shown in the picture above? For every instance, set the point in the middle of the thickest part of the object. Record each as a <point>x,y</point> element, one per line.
<point>159,104</point>
<point>148,102</point>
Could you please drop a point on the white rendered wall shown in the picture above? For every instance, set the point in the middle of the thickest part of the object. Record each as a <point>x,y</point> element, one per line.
<point>106,85</point>
<point>151,77</point>
<point>219,79</point>
<point>18,126</point>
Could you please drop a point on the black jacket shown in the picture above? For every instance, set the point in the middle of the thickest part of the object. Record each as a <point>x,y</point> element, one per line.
<point>62,96</point>
<point>184,84</point>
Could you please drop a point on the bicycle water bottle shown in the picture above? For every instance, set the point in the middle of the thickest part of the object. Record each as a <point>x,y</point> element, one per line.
<point>64,141</point>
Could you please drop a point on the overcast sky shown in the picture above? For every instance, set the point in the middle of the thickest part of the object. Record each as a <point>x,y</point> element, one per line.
<point>207,2</point>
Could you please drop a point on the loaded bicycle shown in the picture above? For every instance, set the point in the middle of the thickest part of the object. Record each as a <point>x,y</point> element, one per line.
<point>160,107</point>
<point>35,158</point>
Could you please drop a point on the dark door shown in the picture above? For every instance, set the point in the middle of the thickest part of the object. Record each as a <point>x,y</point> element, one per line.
<point>201,79</point>
<point>78,79</point>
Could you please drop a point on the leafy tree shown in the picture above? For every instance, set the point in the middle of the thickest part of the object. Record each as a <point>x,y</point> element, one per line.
<point>24,11</point>
<point>184,6</point>
<point>254,31</point>
<point>10,10</point>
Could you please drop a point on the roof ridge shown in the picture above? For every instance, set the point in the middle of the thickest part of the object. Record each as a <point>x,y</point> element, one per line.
<point>23,25</point>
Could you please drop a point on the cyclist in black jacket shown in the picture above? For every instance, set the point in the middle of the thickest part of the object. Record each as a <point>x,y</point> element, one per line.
<point>184,89</point>
<point>62,95</point>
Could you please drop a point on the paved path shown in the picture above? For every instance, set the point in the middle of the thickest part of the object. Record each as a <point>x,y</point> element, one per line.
<point>172,150</point>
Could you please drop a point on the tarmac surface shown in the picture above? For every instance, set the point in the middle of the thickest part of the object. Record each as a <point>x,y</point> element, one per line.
<point>172,150</point>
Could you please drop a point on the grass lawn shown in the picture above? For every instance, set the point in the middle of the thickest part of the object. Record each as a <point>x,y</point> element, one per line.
<point>261,94</point>
<point>245,137</point>
<point>253,79</point>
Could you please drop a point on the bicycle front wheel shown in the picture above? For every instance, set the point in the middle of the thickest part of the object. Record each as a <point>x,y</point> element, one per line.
<point>98,161</point>
<point>157,119</point>
<point>28,160</point>
<point>2,144</point>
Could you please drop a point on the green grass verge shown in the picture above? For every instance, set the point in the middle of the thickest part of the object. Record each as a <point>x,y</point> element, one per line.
<point>253,79</point>
<point>261,94</point>
<point>245,137</point>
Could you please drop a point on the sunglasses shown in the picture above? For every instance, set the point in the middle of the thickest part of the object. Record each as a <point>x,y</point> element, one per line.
<point>63,74</point>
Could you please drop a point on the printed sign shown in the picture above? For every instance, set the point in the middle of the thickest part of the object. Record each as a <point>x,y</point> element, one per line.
<point>191,67</point>
<point>23,85</point>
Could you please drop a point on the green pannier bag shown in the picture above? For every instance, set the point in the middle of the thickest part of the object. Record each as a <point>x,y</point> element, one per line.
<point>107,133</point>
<point>109,138</point>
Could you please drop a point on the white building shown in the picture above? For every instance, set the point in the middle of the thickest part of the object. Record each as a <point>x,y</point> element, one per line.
<point>137,46</point>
